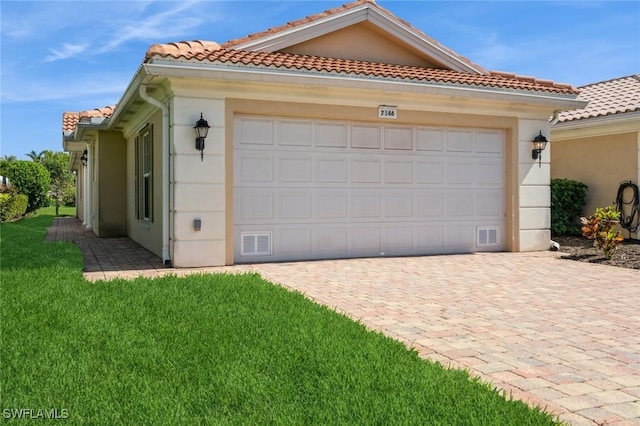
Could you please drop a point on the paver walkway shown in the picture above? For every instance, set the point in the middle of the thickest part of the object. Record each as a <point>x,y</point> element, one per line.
<point>561,334</point>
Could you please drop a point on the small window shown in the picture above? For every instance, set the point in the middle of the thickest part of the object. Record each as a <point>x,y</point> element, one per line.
<point>144,174</point>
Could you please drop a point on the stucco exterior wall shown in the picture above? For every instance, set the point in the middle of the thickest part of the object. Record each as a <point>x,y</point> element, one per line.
<point>348,43</point>
<point>600,162</point>
<point>197,186</point>
<point>534,214</point>
<point>146,233</point>
<point>112,178</point>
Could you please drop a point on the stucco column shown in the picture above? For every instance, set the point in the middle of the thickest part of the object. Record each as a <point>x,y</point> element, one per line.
<point>534,190</point>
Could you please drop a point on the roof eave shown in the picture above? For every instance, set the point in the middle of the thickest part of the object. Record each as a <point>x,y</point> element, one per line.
<point>170,68</point>
<point>614,119</point>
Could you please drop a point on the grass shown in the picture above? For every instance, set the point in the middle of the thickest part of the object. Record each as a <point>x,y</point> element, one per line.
<point>62,211</point>
<point>209,349</point>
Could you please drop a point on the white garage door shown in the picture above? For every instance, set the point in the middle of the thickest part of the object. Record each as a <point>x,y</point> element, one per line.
<point>314,189</point>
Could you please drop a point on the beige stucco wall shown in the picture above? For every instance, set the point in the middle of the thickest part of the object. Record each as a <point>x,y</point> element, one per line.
<point>601,162</point>
<point>364,42</point>
<point>110,218</point>
<point>146,233</point>
<point>197,185</point>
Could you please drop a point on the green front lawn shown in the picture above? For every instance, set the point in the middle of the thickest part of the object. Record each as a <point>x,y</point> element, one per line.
<point>208,349</point>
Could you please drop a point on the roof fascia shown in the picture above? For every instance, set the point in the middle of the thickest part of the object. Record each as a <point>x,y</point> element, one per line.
<point>597,126</point>
<point>209,71</point>
<point>366,12</point>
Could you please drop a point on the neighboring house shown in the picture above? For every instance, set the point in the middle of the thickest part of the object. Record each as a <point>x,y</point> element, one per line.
<point>345,134</point>
<point>599,144</point>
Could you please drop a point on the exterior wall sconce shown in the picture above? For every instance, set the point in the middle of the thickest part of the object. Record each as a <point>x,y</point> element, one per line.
<point>202,129</point>
<point>84,157</point>
<point>539,144</point>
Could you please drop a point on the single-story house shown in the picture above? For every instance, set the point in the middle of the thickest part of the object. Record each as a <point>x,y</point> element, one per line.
<point>349,133</point>
<point>599,144</point>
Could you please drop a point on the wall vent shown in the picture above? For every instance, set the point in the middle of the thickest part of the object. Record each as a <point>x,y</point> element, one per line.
<point>255,243</point>
<point>487,236</point>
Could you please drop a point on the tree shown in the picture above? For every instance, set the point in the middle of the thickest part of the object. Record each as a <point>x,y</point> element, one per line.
<point>36,157</point>
<point>29,178</point>
<point>61,178</point>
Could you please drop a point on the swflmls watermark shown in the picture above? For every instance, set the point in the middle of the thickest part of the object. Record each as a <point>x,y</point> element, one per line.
<point>35,413</point>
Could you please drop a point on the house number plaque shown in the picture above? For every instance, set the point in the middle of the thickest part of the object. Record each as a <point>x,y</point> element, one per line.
<point>387,111</point>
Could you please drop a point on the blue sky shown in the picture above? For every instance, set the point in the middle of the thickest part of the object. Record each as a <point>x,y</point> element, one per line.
<point>76,55</point>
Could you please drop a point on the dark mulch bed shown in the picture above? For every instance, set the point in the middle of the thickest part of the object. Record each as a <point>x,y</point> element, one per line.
<point>627,254</point>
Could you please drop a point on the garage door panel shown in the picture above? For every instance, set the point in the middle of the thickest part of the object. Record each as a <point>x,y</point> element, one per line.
<point>490,142</point>
<point>459,204</point>
<point>331,189</point>
<point>398,171</point>
<point>365,240</point>
<point>459,171</point>
<point>488,205</point>
<point>254,205</point>
<point>330,170</point>
<point>430,171</point>
<point>489,172</point>
<point>331,205</point>
<point>331,135</point>
<point>430,238</point>
<point>365,170</point>
<point>460,141</point>
<point>294,132</point>
<point>430,139</point>
<point>254,168</point>
<point>430,204</point>
<point>398,138</point>
<point>398,240</point>
<point>294,205</point>
<point>294,169</point>
<point>329,240</point>
<point>397,205</point>
<point>365,204</point>
<point>365,136</point>
<point>254,131</point>
<point>294,242</point>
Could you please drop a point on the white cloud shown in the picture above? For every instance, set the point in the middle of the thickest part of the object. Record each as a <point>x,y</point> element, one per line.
<point>67,51</point>
<point>157,27</point>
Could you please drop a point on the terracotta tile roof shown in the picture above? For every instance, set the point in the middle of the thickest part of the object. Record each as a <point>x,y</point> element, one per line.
<point>71,119</point>
<point>321,65</point>
<point>331,12</point>
<point>611,97</point>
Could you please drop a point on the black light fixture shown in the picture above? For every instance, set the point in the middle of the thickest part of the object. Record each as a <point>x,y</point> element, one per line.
<point>202,129</point>
<point>83,158</point>
<point>539,144</point>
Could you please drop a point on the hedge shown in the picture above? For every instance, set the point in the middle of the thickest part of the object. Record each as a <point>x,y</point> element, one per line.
<point>568,198</point>
<point>12,206</point>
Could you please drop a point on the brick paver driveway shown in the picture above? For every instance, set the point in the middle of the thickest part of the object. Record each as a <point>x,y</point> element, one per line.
<point>557,333</point>
<point>561,334</point>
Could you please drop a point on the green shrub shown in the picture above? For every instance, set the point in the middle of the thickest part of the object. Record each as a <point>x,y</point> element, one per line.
<point>31,179</point>
<point>12,204</point>
<point>567,201</point>
<point>601,228</point>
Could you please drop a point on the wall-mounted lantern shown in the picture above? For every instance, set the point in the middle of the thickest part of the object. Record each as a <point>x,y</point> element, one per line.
<point>202,129</point>
<point>84,157</point>
<point>539,144</point>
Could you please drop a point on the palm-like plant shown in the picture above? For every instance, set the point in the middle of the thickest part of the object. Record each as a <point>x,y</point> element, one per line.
<point>35,156</point>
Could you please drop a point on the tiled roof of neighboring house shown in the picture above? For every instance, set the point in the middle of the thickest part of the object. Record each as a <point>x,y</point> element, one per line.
<point>499,80</point>
<point>71,119</point>
<point>331,12</point>
<point>611,97</point>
